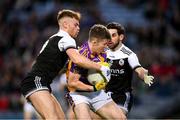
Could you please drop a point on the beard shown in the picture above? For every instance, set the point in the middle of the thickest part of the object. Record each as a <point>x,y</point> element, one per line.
<point>113,45</point>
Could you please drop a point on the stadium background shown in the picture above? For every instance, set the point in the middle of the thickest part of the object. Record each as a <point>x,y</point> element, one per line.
<point>152,29</point>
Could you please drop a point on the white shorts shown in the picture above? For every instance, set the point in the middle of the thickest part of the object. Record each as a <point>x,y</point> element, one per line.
<point>95,100</point>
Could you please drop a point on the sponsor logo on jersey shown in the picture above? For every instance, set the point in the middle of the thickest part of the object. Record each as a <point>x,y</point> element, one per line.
<point>116,72</point>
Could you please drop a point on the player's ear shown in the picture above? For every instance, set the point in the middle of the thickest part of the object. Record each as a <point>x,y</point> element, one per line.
<point>65,22</point>
<point>121,37</point>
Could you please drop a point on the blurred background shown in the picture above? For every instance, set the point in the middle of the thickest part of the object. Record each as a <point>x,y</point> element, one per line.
<point>153,33</point>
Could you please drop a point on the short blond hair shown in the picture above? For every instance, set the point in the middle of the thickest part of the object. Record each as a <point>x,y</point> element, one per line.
<point>68,13</point>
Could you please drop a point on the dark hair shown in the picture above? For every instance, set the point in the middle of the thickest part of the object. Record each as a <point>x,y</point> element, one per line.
<point>68,13</point>
<point>115,25</point>
<point>99,31</point>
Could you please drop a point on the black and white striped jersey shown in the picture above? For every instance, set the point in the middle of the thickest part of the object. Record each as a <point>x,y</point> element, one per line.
<point>52,56</point>
<point>123,61</point>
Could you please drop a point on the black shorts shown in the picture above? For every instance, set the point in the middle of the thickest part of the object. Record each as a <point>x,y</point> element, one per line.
<point>33,83</point>
<point>124,100</point>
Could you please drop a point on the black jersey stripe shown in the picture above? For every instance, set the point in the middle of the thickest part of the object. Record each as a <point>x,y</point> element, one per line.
<point>70,47</point>
<point>125,51</point>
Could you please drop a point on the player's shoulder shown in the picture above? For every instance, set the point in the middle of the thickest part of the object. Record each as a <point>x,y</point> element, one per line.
<point>54,40</point>
<point>84,49</point>
<point>126,50</point>
<point>64,36</point>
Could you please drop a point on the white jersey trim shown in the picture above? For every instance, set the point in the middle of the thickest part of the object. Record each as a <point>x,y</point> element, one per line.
<point>35,90</point>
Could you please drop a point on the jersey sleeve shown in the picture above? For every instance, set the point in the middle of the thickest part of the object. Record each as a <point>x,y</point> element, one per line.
<point>133,61</point>
<point>66,43</point>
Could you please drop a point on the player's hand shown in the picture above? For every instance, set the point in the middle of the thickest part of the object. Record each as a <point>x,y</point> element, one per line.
<point>105,70</point>
<point>148,79</point>
<point>100,85</point>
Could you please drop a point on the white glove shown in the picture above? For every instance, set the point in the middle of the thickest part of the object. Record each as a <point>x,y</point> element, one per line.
<point>148,79</point>
<point>105,70</point>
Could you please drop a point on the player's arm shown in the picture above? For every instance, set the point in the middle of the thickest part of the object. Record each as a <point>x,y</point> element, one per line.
<point>69,46</point>
<point>142,72</point>
<point>74,82</point>
<point>84,62</point>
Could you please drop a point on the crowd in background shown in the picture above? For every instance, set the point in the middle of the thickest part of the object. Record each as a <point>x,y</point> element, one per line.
<point>26,24</point>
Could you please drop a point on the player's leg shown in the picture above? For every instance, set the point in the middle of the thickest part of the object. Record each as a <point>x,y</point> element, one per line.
<point>95,116</point>
<point>37,90</point>
<point>82,111</point>
<point>80,102</point>
<point>44,104</point>
<point>105,107</point>
<point>70,114</point>
<point>38,117</point>
<point>124,100</point>
<point>58,107</point>
<point>111,111</point>
<point>29,111</point>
